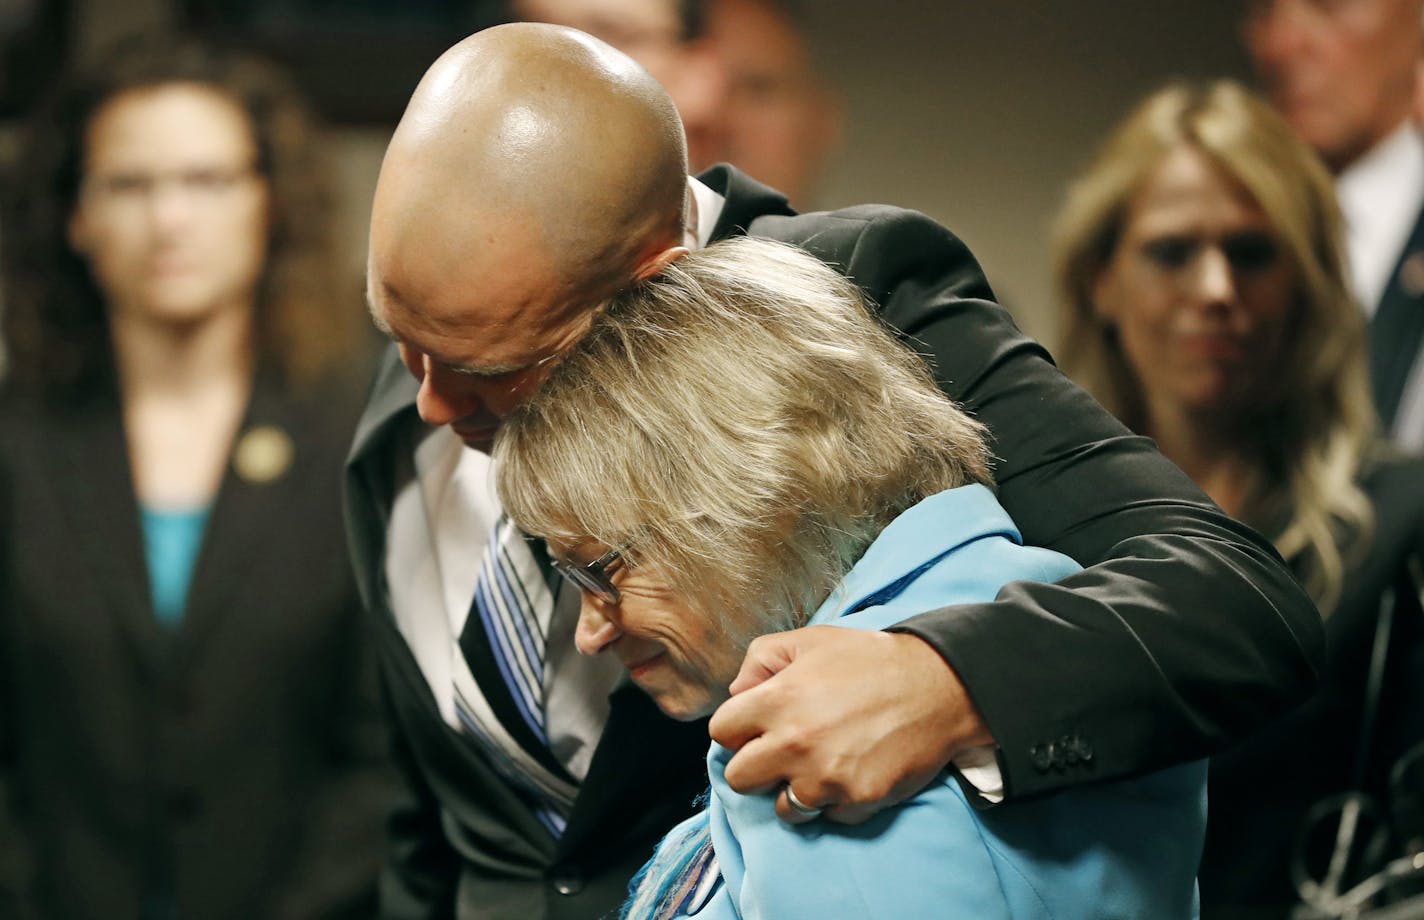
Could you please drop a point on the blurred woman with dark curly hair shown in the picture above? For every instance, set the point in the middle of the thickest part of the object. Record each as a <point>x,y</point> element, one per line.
<point>188,717</point>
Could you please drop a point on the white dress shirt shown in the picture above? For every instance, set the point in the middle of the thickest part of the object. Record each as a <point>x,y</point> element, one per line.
<point>1381,195</point>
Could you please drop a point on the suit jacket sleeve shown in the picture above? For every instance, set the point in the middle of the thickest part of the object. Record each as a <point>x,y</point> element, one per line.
<point>1184,632</point>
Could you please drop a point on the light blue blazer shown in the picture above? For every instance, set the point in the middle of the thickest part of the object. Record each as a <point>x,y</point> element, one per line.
<point>1113,850</point>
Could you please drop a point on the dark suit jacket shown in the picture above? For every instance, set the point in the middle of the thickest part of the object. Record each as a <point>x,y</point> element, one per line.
<point>1186,632</point>
<point>1261,788</point>
<point>238,760</point>
<point>1397,329</point>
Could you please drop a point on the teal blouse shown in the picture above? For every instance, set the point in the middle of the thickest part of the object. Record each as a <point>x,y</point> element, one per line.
<point>171,540</point>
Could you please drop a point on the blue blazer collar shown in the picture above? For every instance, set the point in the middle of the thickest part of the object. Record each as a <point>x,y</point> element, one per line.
<point>914,541</point>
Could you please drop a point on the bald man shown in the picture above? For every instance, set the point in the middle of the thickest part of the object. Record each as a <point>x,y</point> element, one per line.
<point>535,171</point>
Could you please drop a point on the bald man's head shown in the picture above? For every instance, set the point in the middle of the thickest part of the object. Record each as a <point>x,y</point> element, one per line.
<point>535,171</point>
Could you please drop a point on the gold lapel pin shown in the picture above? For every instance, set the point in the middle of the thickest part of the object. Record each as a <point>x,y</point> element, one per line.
<point>263,454</point>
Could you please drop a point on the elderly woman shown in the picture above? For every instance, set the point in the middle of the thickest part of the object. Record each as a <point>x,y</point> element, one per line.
<point>739,448</point>
<point>1200,270</point>
<point>189,718</point>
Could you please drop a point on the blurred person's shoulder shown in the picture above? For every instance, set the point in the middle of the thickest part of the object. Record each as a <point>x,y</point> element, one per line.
<point>1394,483</point>
<point>20,405</point>
<point>27,412</point>
<point>1388,473</point>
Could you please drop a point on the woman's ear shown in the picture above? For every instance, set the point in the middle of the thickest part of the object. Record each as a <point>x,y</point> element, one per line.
<point>658,261</point>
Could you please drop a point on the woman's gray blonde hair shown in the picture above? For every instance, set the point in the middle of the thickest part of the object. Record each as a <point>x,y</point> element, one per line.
<point>746,423</point>
<point>1311,439</point>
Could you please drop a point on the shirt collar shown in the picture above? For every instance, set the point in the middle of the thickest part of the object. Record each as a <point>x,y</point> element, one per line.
<point>1380,195</point>
<point>914,541</point>
<point>704,207</point>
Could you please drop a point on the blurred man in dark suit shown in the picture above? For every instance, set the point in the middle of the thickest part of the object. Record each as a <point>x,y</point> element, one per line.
<point>1344,74</point>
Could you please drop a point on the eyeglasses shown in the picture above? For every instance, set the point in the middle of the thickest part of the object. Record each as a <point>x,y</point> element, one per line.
<point>203,184</point>
<point>594,577</point>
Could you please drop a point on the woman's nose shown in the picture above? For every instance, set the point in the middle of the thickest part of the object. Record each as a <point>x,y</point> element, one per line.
<point>170,207</point>
<point>1215,282</point>
<point>596,629</point>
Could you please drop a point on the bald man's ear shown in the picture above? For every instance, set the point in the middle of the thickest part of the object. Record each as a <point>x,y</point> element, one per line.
<point>657,261</point>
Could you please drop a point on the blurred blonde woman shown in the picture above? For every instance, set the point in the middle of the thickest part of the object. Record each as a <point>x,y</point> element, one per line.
<point>1200,272</point>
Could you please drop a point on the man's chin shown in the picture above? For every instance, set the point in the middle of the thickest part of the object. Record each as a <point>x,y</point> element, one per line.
<point>686,707</point>
<point>684,713</point>
<point>476,437</point>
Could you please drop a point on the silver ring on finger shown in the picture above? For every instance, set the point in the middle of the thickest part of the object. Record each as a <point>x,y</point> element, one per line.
<point>808,812</point>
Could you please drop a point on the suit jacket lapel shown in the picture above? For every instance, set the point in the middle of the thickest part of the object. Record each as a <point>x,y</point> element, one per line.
<point>90,453</point>
<point>392,393</point>
<point>1397,330</point>
<point>746,200</point>
<point>370,478</point>
<point>250,503</point>
<point>468,787</point>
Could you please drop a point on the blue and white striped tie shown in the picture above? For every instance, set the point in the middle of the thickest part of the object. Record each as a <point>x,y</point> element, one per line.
<point>514,602</point>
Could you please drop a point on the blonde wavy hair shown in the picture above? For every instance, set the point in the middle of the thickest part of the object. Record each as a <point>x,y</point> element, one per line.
<point>1312,438</point>
<point>746,423</point>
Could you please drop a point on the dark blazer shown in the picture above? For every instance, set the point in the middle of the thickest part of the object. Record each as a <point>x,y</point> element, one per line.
<point>237,760</point>
<point>1397,329</point>
<point>1187,632</point>
<point>1261,788</point>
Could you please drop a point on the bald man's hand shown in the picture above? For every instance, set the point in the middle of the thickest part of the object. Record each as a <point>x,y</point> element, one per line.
<point>852,721</point>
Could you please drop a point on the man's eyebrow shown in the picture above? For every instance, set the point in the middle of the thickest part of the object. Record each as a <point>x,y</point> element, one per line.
<point>488,370</point>
<point>499,370</point>
<point>465,370</point>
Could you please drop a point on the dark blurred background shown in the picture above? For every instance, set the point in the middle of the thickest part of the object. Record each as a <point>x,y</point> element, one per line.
<point>976,113</point>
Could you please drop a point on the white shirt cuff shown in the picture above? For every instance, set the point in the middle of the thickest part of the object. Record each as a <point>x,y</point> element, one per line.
<point>980,767</point>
